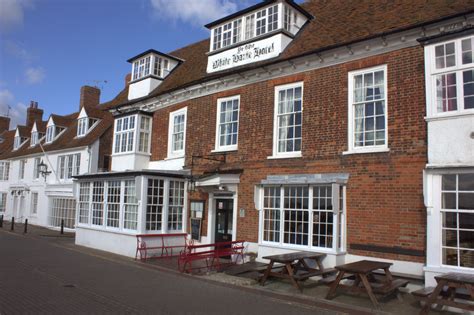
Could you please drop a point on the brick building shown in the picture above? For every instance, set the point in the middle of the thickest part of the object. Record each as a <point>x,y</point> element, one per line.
<point>293,128</point>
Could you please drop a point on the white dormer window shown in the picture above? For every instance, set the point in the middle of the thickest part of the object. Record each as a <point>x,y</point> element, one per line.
<point>84,125</point>
<point>34,138</point>
<point>141,68</point>
<point>151,64</point>
<point>18,141</point>
<point>52,132</point>
<point>49,134</point>
<point>161,67</point>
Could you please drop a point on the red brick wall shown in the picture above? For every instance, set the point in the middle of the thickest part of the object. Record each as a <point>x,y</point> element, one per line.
<point>105,147</point>
<point>384,192</point>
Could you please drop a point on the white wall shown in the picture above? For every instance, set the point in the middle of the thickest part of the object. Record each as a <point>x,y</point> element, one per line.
<point>142,88</point>
<point>451,141</point>
<point>130,161</point>
<point>122,244</point>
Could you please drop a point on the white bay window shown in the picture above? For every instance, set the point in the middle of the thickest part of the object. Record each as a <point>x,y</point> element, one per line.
<point>132,134</point>
<point>450,76</point>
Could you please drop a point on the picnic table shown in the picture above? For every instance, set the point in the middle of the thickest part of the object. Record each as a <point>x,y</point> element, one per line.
<point>295,267</point>
<point>363,273</point>
<point>449,287</point>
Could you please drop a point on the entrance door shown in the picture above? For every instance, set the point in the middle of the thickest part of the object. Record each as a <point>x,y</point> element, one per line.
<point>224,220</point>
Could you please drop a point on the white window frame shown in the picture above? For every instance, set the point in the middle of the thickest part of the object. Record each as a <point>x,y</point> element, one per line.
<point>34,203</point>
<point>457,229</point>
<point>36,172</point>
<point>18,142</point>
<point>338,223</point>
<point>142,67</point>
<point>176,153</point>
<point>120,133</point>
<point>232,147</point>
<point>3,201</point>
<point>432,73</point>
<point>50,133</point>
<point>146,133</point>
<point>5,170</point>
<point>350,136</point>
<point>276,137</point>
<point>82,126</point>
<point>63,168</point>
<point>21,169</point>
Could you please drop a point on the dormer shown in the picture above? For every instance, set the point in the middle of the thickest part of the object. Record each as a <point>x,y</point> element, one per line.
<point>53,131</point>
<point>257,33</point>
<point>85,123</point>
<point>36,135</point>
<point>19,139</point>
<point>149,69</point>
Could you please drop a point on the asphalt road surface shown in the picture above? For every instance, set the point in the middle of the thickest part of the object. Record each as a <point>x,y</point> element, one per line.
<point>40,275</point>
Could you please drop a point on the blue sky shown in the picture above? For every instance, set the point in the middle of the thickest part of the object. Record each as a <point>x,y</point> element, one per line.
<point>50,48</point>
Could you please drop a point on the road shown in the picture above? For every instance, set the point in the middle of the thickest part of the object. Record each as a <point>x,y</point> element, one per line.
<point>53,276</point>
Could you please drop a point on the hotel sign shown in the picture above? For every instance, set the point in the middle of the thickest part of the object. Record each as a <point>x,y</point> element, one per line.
<point>248,53</point>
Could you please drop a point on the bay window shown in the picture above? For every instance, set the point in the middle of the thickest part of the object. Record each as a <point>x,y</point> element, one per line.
<point>304,216</point>
<point>177,133</point>
<point>132,134</point>
<point>457,215</point>
<point>227,123</point>
<point>368,109</point>
<point>288,120</point>
<point>450,76</point>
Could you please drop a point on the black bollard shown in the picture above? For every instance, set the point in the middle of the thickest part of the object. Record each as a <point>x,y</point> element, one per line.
<point>1,221</point>
<point>26,226</point>
<point>62,226</point>
<point>13,224</point>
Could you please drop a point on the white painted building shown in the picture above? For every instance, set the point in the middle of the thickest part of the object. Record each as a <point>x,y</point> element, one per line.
<point>449,174</point>
<point>38,161</point>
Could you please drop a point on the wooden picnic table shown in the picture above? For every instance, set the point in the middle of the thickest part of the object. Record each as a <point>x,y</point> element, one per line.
<point>363,272</point>
<point>451,282</point>
<point>295,267</point>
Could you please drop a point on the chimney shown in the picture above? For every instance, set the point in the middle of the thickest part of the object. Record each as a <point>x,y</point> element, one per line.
<point>128,78</point>
<point>90,97</point>
<point>4,123</point>
<point>33,113</point>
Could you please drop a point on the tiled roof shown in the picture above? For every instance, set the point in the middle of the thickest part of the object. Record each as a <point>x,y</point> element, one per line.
<point>336,22</point>
<point>68,139</point>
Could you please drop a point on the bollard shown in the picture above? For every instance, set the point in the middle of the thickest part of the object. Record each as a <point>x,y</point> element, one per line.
<point>62,226</point>
<point>13,224</point>
<point>26,226</point>
<point>1,221</point>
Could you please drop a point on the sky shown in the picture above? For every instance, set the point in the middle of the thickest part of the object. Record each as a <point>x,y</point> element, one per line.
<point>50,48</point>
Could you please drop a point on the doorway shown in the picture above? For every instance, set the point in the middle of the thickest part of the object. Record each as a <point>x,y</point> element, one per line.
<point>224,220</point>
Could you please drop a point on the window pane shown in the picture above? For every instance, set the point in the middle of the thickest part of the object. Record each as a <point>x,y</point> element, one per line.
<point>466,201</point>
<point>467,50</point>
<point>449,182</point>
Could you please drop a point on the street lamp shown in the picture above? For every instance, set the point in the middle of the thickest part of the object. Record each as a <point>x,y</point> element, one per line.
<point>43,169</point>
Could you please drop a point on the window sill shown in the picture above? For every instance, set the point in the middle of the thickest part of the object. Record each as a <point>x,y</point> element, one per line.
<point>285,156</point>
<point>366,151</point>
<point>330,251</point>
<point>230,149</point>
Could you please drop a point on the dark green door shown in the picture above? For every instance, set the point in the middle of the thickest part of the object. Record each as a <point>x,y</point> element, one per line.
<point>224,220</point>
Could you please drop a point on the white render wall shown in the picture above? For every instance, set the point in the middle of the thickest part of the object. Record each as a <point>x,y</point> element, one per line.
<point>451,141</point>
<point>53,187</point>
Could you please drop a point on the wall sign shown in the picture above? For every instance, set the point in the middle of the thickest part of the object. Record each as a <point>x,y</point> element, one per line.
<point>196,229</point>
<point>197,209</point>
<point>248,53</point>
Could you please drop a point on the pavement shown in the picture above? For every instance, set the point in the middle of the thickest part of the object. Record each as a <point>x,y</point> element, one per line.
<point>43,272</point>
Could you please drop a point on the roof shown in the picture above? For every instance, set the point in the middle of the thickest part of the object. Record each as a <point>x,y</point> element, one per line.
<point>336,23</point>
<point>152,51</point>
<point>68,139</point>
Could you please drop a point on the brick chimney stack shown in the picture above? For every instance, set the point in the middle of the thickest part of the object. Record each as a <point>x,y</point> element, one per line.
<point>33,113</point>
<point>90,97</point>
<point>4,123</point>
<point>128,78</point>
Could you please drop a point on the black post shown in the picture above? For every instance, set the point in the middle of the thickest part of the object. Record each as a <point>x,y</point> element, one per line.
<point>26,226</point>
<point>1,221</point>
<point>13,224</point>
<point>62,226</point>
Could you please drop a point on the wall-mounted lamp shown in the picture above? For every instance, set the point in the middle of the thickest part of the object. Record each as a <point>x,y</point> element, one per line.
<point>43,169</point>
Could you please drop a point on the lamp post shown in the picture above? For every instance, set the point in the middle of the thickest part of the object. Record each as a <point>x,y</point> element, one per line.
<point>43,170</point>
